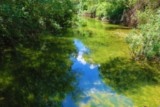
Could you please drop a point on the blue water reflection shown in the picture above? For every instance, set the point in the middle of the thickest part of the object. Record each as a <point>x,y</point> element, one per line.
<point>89,87</point>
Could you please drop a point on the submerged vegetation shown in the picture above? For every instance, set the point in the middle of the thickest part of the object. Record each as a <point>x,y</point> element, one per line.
<point>134,78</point>
<point>104,40</point>
<point>35,49</point>
<point>124,74</point>
<point>131,69</point>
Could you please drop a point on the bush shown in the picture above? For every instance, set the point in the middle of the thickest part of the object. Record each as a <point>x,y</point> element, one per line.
<point>145,44</point>
<point>101,10</point>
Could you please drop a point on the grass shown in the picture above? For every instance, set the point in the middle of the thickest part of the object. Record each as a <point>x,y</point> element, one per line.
<point>106,43</point>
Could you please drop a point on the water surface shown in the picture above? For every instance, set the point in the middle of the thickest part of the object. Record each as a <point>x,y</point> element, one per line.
<point>90,90</point>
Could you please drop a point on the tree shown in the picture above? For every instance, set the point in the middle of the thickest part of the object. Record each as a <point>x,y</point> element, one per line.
<point>30,18</point>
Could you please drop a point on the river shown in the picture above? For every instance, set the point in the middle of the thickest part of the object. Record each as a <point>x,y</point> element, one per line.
<point>90,90</point>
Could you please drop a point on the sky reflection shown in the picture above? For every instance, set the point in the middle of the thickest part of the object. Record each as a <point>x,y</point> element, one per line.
<point>89,88</point>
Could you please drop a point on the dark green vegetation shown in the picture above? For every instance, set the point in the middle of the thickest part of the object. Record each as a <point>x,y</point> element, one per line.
<point>124,74</point>
<point>34,54</point>
<point>36,76</point>
<point>22,21</point>
<point>34,57</point>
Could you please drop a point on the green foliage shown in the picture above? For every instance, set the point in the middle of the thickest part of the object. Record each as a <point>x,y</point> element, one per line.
<point>23,20</point>
<point>146,43</point>
<point>102,8</point>
<point>116,9</point>
<point>143,16</point>
<point>92,9</point>
<point>111,9</point>
<point>34,70</point>
<point>124,74</point>
<point>37,76</point>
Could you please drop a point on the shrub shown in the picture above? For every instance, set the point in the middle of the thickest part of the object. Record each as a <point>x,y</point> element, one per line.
<point>146,43</point>
<point>143,16</point>
<point>102,8</point>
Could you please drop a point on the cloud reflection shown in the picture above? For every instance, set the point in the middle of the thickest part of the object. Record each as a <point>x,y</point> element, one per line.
<point>90,89</point>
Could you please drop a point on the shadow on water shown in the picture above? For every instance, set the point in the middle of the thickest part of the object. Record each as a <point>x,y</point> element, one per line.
<point>124,74</point>
<point>37,75</point>
<point>89,87</point>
